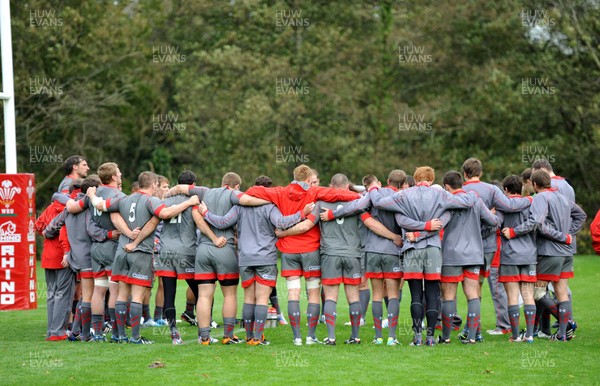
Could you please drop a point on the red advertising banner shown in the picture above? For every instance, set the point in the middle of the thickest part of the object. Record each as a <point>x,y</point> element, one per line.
<point>17,242</point>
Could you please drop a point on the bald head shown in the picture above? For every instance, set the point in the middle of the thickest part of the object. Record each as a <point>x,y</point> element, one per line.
<point>339,181</point>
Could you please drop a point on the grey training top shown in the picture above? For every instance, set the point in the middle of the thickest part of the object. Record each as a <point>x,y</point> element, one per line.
<point>553,216</point>
<point>519,250</point>
<point>493,197</point>
<point>340,237</point>
<point>462,244</point>
<point>219,201</point>
<point>256,231</point>
<point>178,235</point>
<point>421,203</point>
<point>137,209</point>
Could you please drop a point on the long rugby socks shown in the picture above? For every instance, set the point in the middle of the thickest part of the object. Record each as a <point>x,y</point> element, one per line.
<point>260,317</point>
<point>86,319</point>
<point>76,328</point>
<point>564,314</point>
<point>294,317</point>
<point>248,312</point>
<point>355,316</point>
<point>529,310</point>
<point>113,321</point>
<point>312,314</point>
<point>145,312</point>
<point>135,311</point>
<point>158,313</point>
<point>365,298</point>
<point>228,325</point>
<point>514,314</point>
<point>393,313</point>
<point>98,324</point>
<point>473,317</point>
<point>448,312</point>
<point>121,317</point>
<point>377,309</point>
<point>330,316</point>
<point>550,305</point>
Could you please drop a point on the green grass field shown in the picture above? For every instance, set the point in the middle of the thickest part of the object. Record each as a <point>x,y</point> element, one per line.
<point>28,359</point>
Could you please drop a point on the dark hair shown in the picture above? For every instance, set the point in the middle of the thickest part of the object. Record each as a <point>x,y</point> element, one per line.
<point>526,174</point>
<point>541,164</point>
<point>135,186</point>
<point>265,181</point>
<point>472,167</point>
<point>72,161</point>
<point>541,179</point>
<point>410,180</point>
<point>513,184</point>
<point>453,179</point>
<point>187,177</point>
<point>75,184</point>
<point>91,181</point>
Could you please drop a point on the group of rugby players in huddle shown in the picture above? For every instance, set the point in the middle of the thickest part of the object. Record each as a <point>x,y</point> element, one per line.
<point>432,236</point>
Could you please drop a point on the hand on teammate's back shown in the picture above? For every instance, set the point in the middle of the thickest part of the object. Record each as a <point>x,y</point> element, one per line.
<point>220,242</point>
<point>134,233</point>
<point>91,192</point>
<point>309,208</point>
<point>398,240</point>
<point>64,261</point>
<point>436,224</point>
<point>194,200</point>
<point>324,215</point>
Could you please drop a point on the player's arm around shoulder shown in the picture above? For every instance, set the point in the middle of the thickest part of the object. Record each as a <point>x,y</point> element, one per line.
<point>220,222</point>
<point>163,212</point>
<point>302,227</point>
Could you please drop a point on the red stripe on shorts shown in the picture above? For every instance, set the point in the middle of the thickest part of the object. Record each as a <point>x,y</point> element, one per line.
<point>165,273</point>
<point>332,281</point>
<point>98,275</point>
<point>393,275</point>
<point>268,283</point>
<point>140,282</point>
<point>471,275</point>
<point>452,279</point>
<point>413,275</point>
<point>567,275</point>
<point>374,275</point>
<point>309,274</point>
<point>509,278</point>
<point>291,272</point>
<point>431,276</point>
<point>351,280</point>
<point>547,277</point>
<point>205,276</point>
<point>247,283</point>
<point>228,276</point>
